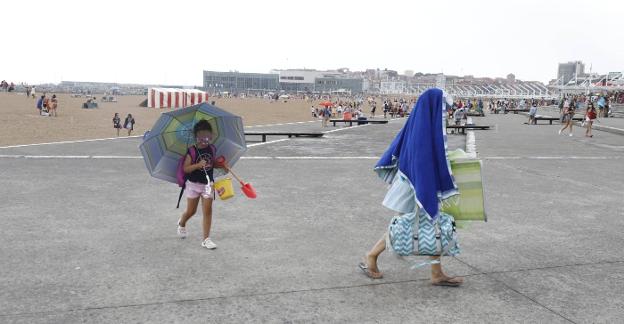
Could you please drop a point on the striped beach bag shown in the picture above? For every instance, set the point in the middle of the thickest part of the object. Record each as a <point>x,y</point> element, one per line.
<point>428,238</point>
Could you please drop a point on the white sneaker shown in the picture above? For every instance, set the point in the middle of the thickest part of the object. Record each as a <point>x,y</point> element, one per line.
<point>209,244</point>
<point>570,135</point>
<point>181,231</point>
<point>559,132</point>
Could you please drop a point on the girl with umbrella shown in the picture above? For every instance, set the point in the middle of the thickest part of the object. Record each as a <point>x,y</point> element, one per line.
<point>417,168</point>
<point>200,183</point>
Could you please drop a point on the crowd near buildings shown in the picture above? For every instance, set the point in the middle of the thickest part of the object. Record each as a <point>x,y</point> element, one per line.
<point>572,79</point>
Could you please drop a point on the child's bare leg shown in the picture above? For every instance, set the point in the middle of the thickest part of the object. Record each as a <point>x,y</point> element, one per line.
<point>207,209</point>
<point>191,208</point>
<point>373,254</point>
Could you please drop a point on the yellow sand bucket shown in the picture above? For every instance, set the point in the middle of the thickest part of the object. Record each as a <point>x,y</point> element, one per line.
<point>224,188</point>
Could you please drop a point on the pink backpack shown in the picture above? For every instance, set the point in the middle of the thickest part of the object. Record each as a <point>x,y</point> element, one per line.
<point>180,175</point>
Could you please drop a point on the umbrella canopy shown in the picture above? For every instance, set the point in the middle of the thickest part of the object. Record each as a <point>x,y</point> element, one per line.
<point>326,104</point>
<point>172,134</point>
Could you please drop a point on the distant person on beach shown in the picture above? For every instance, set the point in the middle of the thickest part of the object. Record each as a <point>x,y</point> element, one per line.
<point>385,109</point>
<point>129,124</point>
<point>590,117</point>
<point>52,106</point>
<point>40,104</point>
<point>33,92</point>
<point>373,109</point>
<point>326,116</point>
<point>532,114</point>
<point>46,103</point>
<point>568,116</point>
<point>117,123</point>
<point>416,168</point>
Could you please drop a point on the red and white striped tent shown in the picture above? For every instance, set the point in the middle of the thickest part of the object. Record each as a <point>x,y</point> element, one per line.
<point>174,98</point>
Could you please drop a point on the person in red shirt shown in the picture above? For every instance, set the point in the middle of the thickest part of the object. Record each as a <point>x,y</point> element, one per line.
<point>590,116</point>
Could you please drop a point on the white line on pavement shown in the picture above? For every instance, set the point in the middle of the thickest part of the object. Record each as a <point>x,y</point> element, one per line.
<point>269,142</point>
<point>71,142</point>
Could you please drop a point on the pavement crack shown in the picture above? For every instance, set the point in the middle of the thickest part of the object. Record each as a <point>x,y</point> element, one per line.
<point>478,272</point>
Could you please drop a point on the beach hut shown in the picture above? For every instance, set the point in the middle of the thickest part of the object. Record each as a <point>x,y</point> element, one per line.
<point>174,97</point>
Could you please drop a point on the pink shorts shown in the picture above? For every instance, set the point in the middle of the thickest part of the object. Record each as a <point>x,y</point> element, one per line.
<point>194,190</point>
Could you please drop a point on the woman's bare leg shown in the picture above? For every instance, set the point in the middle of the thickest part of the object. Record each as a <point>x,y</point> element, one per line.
<point>373,254</point>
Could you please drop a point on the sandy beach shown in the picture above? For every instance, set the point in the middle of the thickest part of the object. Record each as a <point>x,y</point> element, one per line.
<point>21,124</point>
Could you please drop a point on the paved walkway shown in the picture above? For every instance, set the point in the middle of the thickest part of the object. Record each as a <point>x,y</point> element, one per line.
<point>93,240</point>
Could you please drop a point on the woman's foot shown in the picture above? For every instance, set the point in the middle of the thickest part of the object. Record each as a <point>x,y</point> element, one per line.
<point>444,280</point>
<point>369,267</point>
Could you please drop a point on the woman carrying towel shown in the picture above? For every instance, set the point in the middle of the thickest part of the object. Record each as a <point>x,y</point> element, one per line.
<point>417,168</point>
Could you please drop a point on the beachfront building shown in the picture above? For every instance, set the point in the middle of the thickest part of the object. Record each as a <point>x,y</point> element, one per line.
<point>338,84</point>
<point>297,80</point>
<point>237,82</point>
<point>290,81</point>
<point>392,87</point>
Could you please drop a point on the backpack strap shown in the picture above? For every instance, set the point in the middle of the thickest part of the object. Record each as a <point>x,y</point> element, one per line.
<point>180,197</point>
<point>192,151</point>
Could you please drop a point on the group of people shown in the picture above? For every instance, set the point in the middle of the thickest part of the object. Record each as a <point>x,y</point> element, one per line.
<point>47,106</point>
<point>31,92</point>
<point>569,105</point>
<point>7,87</point>
<point>396,108</point>
<point>127,124</point>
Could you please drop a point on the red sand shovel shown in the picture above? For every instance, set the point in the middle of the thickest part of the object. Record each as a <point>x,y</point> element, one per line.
<point>246,188</point>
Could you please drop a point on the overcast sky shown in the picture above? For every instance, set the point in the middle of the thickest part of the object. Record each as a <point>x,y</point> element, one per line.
<point>171,42</point>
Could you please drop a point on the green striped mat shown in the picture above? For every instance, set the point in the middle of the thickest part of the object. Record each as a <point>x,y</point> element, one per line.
<point>469,205</point>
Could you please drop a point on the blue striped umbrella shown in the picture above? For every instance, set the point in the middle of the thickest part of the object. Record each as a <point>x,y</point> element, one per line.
<point>172,134</point>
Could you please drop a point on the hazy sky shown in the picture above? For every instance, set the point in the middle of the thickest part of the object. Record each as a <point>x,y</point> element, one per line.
<point>171,42</point>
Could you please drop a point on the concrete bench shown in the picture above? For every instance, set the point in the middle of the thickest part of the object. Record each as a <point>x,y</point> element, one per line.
<point>289,134</point>
<point>551,119</point>
<point>463,129</point>
<point>363,121</point>
<point>516,111</point>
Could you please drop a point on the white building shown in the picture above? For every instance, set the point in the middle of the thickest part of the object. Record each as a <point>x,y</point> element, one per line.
<point>393,87</point>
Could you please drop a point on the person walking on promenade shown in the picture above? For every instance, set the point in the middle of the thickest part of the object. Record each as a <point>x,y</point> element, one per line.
<point>416,167</point>
<point>568,115</point>
<point>590,116</point>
